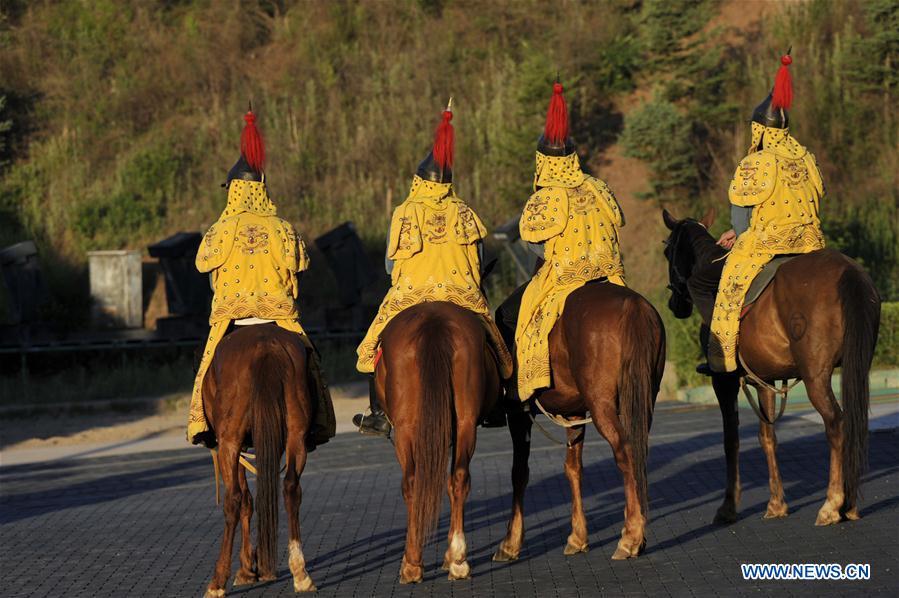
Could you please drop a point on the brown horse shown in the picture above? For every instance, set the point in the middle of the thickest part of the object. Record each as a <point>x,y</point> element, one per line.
<point>255,394</point>
<point>820,311</point>
<point>607,354</point>
<point>436,379</point>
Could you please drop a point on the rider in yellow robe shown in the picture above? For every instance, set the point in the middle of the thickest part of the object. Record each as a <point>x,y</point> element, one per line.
<point>433,254</point>
<point>777,188</point>
<point>571,221</point>
<point>254,259</point>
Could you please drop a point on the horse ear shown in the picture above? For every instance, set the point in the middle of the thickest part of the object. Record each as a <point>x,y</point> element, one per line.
<point>670,221</point>
<point>709,219</point>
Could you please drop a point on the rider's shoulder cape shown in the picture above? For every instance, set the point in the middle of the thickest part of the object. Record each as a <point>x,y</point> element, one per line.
<point>545,215</point>
<point>785,164</point>
<point>754,180</point>
<point>218,242</point>
<point>412,218</point>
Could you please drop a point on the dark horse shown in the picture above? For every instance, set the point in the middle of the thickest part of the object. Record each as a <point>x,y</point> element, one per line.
<point>607,354</point>
<point>820,311</point>
<point>255,393</point>
<point>437,377</point>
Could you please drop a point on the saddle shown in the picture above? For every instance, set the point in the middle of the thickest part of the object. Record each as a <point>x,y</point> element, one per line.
<point>761,282</point>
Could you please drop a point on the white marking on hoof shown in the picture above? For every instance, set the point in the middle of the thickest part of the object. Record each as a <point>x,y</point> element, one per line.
<point>304,585</point>
<point>459,570</point>
<point>210,593</point>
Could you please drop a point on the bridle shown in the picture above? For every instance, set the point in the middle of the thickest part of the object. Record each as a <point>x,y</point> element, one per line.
<point>677,281</point>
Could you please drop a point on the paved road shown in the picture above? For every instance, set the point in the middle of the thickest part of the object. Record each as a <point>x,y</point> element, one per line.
<point>147,525</point>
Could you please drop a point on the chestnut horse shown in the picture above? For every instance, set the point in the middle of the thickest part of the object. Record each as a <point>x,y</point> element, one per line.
<point>255,394</point>
<point>820,311</point>
<point>436,378</point>
<point>607,354</point>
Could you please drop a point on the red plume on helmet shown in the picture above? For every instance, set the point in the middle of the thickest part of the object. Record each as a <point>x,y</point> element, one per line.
<point>556,130</point>
<point>445,139</point>
<point>252,147</point>
<point>782,96</point>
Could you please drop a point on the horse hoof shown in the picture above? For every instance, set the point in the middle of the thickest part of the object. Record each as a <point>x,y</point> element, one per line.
<point>622,553</point>
<point>410,573</point>
<point>446,564</point>
<point>572,548</point>
<point>776,512</point>
<point>245,579</point>
<point>852,514</point>
<point>827,517</point>
<point>210,593</point>
<point>504,555</point>
<point>725,516</point>
<point>304,585</point>
<point>459,571</point>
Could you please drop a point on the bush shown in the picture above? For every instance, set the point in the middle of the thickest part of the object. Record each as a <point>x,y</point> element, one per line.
<point>660,135</point>
<point>887,352</point>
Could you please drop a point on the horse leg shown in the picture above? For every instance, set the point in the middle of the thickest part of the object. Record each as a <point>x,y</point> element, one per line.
<point>605,418</point>
<point>726,390</point>
<point>247,572</point>
<point>228,454</point>
<point>520,430</point>
<point>767,438</point>
<point>821,396</point>
<point>293,496</point>
<point>574,468</point>
<point>455,561</point>
<point>411,569</point>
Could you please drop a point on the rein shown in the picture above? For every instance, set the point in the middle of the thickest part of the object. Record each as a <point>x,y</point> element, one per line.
<point>244,459</point>
<point>559,421</point>
<point>757,381</point>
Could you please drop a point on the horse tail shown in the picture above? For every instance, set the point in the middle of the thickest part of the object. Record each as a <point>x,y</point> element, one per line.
<point>268,438</point>
<point>643,350</point>
<point>432,442</point>
<point>861,320</point>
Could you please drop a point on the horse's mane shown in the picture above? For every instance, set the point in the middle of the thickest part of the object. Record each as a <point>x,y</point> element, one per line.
<point>705,248</point>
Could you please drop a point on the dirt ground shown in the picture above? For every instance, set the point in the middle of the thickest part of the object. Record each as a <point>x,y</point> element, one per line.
<point>167,418</point>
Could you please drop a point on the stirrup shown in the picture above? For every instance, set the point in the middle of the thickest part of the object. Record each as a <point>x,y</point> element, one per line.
<point>373,424</point>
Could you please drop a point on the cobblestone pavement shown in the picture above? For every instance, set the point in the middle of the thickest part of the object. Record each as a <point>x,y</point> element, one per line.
<point>147,524</point>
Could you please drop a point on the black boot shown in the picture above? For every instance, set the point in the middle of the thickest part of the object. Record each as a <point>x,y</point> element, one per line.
<point>375,423</point>
<point>496,418</point>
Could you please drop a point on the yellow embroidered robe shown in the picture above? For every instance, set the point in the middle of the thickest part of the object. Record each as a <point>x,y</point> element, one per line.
<point>433,244</point>
<point>577,219</point>
<point>253,257</point>
<point>783,185</point>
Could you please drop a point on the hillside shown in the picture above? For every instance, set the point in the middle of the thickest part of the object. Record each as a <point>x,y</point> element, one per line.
<point>119,120</point>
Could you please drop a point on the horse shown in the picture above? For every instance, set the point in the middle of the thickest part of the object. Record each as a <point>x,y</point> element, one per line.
<point>437,377</point>
<point>255,394</point>
<point>820,311</point>
<point>607,354</point>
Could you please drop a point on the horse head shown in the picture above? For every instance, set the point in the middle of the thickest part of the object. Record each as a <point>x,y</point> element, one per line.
<point>681,256</point>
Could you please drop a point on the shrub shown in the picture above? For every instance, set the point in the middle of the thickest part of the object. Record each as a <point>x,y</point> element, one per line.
<point>887,352</point>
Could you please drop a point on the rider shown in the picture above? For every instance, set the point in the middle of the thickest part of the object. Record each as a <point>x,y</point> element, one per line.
<point>254,259</point>
<point>434,250</point>
<point>774,200</point>
<point>571,223</point>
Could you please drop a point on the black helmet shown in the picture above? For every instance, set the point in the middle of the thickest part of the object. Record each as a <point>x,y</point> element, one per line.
<point>430,170</point>
<point>243,172</point>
